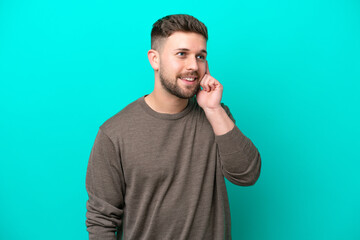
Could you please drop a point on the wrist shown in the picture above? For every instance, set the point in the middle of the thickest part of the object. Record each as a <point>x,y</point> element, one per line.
<point>213,110</point>
<point>219,120</point>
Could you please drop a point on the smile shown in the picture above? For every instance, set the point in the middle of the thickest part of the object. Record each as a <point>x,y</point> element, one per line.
<point>188,79</point>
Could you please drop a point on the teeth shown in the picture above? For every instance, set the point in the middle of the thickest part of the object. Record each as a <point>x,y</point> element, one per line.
<point>189,79</point>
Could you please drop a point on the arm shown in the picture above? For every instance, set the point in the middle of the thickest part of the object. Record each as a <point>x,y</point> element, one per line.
<point>106,188</point>
<point>239,157</point>
<point>219,120</point>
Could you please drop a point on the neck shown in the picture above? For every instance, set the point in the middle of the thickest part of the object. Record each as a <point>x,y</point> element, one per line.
<point>164,102</point>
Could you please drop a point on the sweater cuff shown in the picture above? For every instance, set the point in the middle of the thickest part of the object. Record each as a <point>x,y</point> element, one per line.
<point>231,142</point>
<point>102,237</point>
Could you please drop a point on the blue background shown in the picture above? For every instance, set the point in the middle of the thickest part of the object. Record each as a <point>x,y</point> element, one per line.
<point>290,71</point>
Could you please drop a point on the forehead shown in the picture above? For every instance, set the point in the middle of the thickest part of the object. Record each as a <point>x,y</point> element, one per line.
<point>188,40</point>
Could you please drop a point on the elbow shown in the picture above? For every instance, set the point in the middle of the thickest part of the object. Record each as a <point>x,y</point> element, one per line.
<point>249,176</point>
<point>251,179</point>
<point>102,218</point>
<point>254,173</point>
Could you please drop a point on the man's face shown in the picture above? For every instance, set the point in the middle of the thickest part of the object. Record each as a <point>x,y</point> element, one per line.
<point>182,63</point>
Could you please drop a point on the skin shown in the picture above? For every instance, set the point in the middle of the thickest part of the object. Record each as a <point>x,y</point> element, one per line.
<point>183,54</point>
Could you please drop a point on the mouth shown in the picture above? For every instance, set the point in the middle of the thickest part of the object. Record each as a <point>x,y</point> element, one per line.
<point>189,79</point>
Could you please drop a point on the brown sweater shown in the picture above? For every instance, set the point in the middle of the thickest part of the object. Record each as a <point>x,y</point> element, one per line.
<point>157,176</point>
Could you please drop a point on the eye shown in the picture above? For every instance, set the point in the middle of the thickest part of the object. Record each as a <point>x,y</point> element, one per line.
<point>180,54</point>
<point>202,57</point>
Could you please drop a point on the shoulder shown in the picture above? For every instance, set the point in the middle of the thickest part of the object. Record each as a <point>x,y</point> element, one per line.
<point>121,120</point>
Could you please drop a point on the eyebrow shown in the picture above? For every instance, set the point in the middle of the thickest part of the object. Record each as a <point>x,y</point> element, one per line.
<point>188,50</point>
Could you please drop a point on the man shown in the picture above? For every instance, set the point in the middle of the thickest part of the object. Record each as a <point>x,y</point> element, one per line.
<point>157,168</point>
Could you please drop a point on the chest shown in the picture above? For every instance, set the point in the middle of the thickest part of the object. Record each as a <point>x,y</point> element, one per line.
<point>163,152</point>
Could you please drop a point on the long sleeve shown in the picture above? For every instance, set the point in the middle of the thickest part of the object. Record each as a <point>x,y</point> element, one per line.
<point>240,159</point>
<point>106,188</point>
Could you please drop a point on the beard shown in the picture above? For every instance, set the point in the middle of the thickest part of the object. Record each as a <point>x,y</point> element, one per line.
<point>172,86</point>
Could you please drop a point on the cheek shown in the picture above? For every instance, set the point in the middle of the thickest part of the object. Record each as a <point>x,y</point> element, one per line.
<point>176,65</point>
<point>175,68</point>
<point>172,65</point>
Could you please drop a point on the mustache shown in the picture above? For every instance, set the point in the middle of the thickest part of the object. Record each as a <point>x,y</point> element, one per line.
<point>190,74</point>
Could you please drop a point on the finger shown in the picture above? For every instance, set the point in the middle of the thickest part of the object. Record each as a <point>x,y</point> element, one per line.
<point>202,85</point>
<point>207,68</point>
<point>213,83</point>
<point>209,84</point>
<point>205,83</point>
<point>202,82</point>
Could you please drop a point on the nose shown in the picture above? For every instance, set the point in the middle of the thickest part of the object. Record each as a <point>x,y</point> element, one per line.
<point>192,64</point>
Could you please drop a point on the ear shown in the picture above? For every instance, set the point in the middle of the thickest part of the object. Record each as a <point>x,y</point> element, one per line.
<point>154,59</point>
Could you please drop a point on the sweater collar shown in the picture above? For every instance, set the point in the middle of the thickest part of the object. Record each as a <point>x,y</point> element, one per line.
<point>175,116</point>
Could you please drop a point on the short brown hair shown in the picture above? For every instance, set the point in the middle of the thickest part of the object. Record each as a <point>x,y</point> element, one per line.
<point>167,25</point>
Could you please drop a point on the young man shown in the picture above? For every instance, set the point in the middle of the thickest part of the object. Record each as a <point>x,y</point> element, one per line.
<point>157,168</point>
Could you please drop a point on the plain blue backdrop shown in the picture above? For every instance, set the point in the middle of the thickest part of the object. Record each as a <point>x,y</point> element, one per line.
<point>290,71</point>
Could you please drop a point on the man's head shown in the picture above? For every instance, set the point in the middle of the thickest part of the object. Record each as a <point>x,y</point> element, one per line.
<point>178,54</point>
<point>166,26</point>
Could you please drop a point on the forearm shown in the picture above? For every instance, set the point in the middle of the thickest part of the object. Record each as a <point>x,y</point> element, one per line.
<point>239,157</point>
<point>219,120</point>
<point>105,187</point>
<point>100,225</point>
